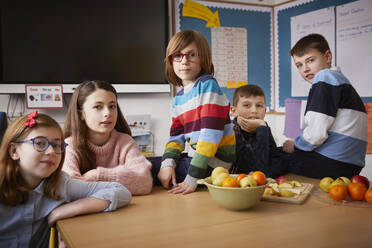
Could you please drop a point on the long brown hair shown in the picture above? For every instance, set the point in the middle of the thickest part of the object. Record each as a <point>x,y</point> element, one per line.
<point>178,42</point>
<point>13,187</point>
<point>76,127</point>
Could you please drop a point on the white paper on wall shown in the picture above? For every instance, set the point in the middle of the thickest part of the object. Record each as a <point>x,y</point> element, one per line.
<point>229,54</point>
<point>354,35</point>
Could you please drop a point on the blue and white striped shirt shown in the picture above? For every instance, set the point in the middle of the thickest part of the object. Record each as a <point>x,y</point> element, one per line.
<point>335,119</point>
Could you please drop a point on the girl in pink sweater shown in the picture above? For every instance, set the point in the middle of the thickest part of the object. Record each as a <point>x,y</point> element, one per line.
<point>100,146</point>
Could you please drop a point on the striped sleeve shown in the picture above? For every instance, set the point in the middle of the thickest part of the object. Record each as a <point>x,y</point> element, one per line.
<point>213,113</point>
<point>332,100</point>
<point>320,114</point>
<point>176,142</point>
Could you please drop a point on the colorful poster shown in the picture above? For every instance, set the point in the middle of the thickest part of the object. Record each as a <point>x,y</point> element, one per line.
<point>44,96</point>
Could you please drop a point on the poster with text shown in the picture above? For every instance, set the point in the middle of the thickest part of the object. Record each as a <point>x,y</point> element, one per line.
<point>44,96</point>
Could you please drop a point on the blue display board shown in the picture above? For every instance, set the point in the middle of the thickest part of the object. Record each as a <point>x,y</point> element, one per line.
<point>258,23</point>
<point>284,42</point>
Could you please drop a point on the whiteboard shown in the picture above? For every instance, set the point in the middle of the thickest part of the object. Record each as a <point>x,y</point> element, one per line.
<point>354,44</point>
<point>321,21</point>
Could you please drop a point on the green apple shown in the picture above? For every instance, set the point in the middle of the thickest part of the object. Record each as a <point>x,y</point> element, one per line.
<point>247,181</point>
<point>338,181</point>
<point>217,171</point>
<point>218,179</point>
<point>345,179</point>
<point>325,183</point>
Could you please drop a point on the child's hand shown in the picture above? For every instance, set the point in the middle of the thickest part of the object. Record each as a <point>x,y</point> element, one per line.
<point>250,125</point>
<point>91,175</point>
<point>288,146</point>
<point>167,177</point>
<point>182,188</point>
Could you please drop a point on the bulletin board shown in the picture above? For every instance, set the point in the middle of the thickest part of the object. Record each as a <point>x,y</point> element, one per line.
<point>257,22</point>
<point>349,49</point>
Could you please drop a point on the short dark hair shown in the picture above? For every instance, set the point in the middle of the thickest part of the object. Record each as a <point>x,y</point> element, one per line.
<point>247,91</point>
<point>311,41</point>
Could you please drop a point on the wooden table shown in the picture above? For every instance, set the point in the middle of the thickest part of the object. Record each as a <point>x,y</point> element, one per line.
<point>195,220</point>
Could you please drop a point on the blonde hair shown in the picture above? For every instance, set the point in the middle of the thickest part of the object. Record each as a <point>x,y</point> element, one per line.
<point>76,127</point>
<point>178,42</point>
<point>13,187</point>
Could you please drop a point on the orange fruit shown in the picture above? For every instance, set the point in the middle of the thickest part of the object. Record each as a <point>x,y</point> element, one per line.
<point>368,195</point>
<point>259,177</point>
<point>338,192</point>
<point>239,177</point>
<point>356,191</point>
<point>229,182</point>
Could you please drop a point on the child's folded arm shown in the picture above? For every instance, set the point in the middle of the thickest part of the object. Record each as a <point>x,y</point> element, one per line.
<point>115,193</point>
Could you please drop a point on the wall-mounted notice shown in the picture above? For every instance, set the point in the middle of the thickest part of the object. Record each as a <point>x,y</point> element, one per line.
<point>354,41</point>
<point>320,21</point>
<point>229,55</point>
<point>44,96</point>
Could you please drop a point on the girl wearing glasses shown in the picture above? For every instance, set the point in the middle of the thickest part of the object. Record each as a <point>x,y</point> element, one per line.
<point>35,193</point>
<point>200,114</point>
<point>100,146</point>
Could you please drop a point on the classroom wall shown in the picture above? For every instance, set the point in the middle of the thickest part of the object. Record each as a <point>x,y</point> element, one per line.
<point>157,105</point>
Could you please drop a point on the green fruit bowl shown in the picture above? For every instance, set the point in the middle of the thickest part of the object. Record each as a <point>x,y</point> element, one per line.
<point>234,198</point>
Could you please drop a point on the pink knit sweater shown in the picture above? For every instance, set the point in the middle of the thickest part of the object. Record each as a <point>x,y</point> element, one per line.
<point>119,160</point>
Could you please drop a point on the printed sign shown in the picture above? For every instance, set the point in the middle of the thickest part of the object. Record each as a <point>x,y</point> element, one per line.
<point>44,96</point>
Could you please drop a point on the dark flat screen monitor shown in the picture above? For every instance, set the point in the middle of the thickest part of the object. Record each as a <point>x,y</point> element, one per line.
<point>120,41</point>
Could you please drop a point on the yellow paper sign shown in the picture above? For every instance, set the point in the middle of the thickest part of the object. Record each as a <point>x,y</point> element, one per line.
<point>235,84</point>
<point>198,10</point>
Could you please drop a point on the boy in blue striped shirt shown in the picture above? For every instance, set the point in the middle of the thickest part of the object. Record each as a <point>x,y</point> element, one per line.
<point>334,139</point>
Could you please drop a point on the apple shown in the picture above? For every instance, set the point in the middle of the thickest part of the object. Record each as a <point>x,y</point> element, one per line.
<point>276,189</point>
<point>269,191</point>
<point>360,179</point>
<point>247,181</point>
<point>285,185</point>
<point>218,170</point>
<point>287,193</point>
<point>218,179</point>
<point>338,181</point>
<point>345,179</point>
<point>296,183</point>
<point>325,183</point>
<point>281,180</point>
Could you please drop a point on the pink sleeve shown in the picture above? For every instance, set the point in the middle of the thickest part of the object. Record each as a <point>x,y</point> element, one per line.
<point>133,171</point>
<point>71,163</point>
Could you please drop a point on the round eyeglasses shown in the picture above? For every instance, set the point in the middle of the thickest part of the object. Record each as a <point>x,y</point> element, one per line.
<point>41,144</point>
<point>191,56</point>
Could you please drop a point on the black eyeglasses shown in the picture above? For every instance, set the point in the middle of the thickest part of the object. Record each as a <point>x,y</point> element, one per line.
<point>191,56</point>
<point>41,144</point>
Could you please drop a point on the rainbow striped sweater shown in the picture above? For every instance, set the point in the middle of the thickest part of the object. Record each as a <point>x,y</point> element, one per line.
<point>201,117</point>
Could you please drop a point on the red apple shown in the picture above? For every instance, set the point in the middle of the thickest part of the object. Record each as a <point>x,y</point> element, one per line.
<point>281,180</point>
<point>360,179</point>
